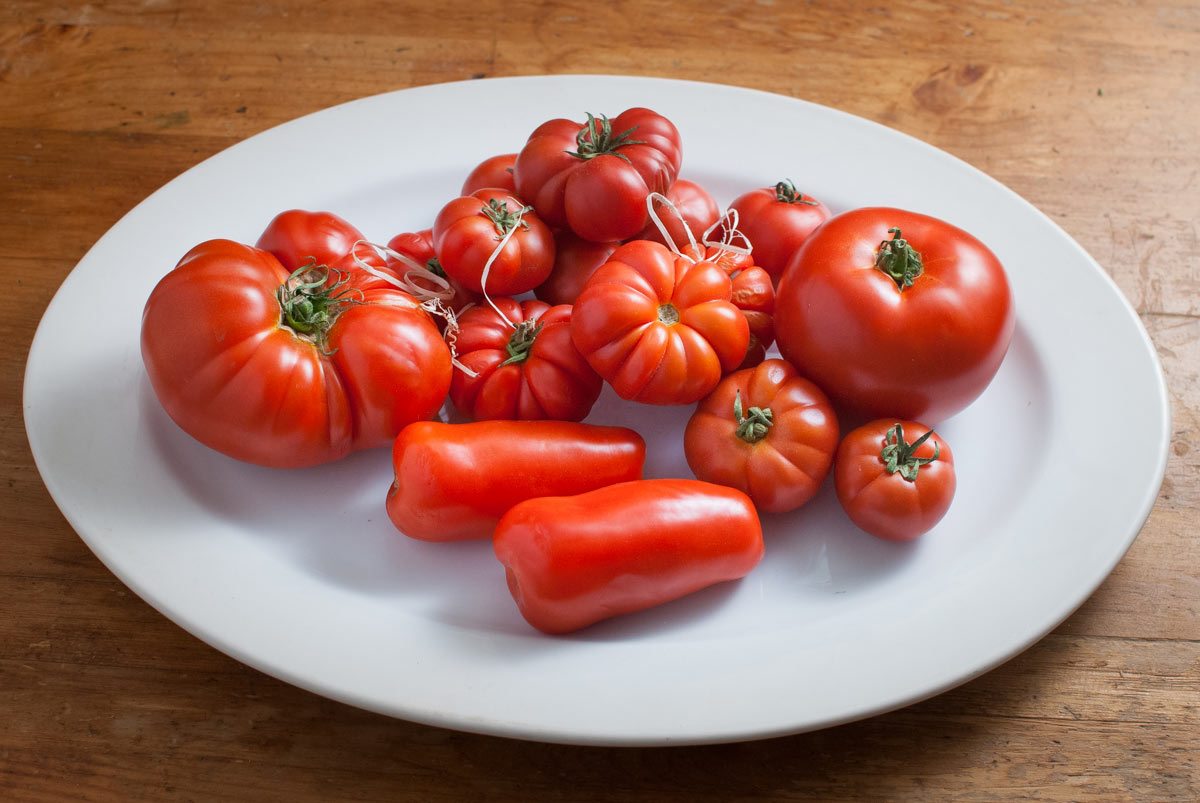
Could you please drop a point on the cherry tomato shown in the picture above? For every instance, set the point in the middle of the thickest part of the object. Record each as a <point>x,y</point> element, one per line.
<point>418,246</point>
<point>753,294</point>
<point>895,313</point>
<point>455,481</point>
<point>695,205</point>
<point>494,172</point>
<point>575,260</point>
<point>468,230</point>
<point>531,372</point>
<point>660,328</point>
<point>296,236</point>
<point>766,431</point>
<point>778,220</point>
<point>571,561</point>
<point>594,177</point>
<point>287,370</point>
<point>891,487</point>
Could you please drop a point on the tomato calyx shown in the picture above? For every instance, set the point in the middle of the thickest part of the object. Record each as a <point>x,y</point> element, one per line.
<point>505,220</point>
<point>754,427</point>
<point>786,193</point>
<point>596,138</point>
<point>668,314</point>
<point>433,266</point>
<point>309,305</point>
<point>900,457</point>
<point>898,259</point>
<point>521,343</point>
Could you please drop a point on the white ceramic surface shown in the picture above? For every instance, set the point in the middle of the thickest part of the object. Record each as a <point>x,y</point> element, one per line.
<point>299,573</point>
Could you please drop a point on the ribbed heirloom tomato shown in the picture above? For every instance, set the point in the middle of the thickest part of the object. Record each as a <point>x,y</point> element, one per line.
<point>529,372</point>
<point>594,177</point>
<point>287,369</point>
<point>297,235</point>
<point>895,313</point>
<point>753,294</point>
<point>469,229</point>
<point>575,260</point>
<point>660,328</point>
<point>778,220</point>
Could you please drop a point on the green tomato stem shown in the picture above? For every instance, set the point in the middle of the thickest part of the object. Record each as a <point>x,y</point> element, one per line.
<point>900,457</point>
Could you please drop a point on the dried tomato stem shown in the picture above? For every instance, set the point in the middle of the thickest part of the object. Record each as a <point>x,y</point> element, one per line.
<point>899,260</point>
<point>504,219</point>
<point>520,345</point>
<point>900,457</point>
<point>309,305</point>
<point>754,427</point>
<point>786,193</point>
<point>596,138</point>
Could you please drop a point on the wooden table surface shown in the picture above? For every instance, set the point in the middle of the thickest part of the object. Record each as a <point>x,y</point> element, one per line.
<point>1089,110</point>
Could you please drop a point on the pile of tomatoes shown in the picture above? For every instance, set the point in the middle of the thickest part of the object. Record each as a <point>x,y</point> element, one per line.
<point>582,261</point>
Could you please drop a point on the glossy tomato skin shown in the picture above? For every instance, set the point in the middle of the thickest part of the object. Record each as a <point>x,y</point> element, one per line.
<point>464,237</point>
<point>454,481</point>
<point>697,207</point>
<point>782,467</point>
<point>601,198</point>
<point>658,327</point>
<point>418,246</point>
<point>573,561</point>
<point>777,228</point>
<point>495,172</point>
<point>551,381</point>
<point>575,260</point>
<point>297,235</point>
<point>754,295</point>
<point>233,376</point>
<point>887,505</point>
<point>924,352</point>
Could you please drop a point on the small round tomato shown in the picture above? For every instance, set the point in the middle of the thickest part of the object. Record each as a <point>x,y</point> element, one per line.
<point>297,237</point>
<point>894,489</point>
<point>895,313</point>
<point>575,260</point>
<point>754,295</point>
<point>418,246</point>
<point>658,327</point>
<point>529,373</point>
<point>777,220</point>
<point>696,207</point>
<point>593,178</point>
<point>468,230</point>
<point>494,172</point>
<point>766,431</point>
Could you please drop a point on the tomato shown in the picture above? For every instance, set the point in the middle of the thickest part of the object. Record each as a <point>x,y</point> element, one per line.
<point>495,172</point>
<point>766,431</point>
<point>660,328</point>
<point>754,295</point>
<point>695,205</point>
<point>530,373</point>
<point>296,236</point>
<point>575,260</point>
<point>922,343</point>
<point>455,481</point>
<point>777,221</point>
<point>571,561</point>
<point>890,487</point>
<point>467,231</point>
<point>287,370</point>
<point>594,177</point>
<point>418,246</point>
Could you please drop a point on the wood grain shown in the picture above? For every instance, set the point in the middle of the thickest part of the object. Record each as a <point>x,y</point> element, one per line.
<point>1089,110</point>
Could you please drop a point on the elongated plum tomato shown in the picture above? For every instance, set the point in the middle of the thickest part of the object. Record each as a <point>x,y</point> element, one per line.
<point>575,260</point>
<point>778,220</point>
<point>494,172</point>
<point>658,327</point>
<point>767,432</point>
<point>594,177</point>
<point>890,487</point>
<point>531,372</point>
<point>287,370</point>
<point>297,236</point>
<point>894,313</point>
<point>468,230</point>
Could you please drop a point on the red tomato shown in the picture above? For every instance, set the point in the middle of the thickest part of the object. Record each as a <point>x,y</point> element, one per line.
<point>418,246</point>
<point>777,220</point>
<point>467,231</point>
<point>767,432</point>
<point>921,344</point>
<point>530,373</point>
<point>890,487</point>
<point>594,177</point>
<point>494,172</point>
<point>753,294</point>
<point>697,207</point>
<point>660,328</point>
<point>575,260</point>
<point>571,561</point>
<point>295,237</point>
<point>287,370</point>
